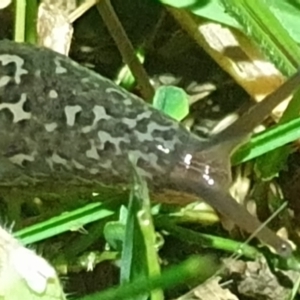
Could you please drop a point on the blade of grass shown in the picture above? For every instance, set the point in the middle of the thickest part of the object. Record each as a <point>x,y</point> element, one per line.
<point>267,141</point>
<point>227,245</point>
<point>65,222</point>
<point>269,165</point>
<point>20,20</point>
<point>294,291</point>
<point>259,23</point>
<point>31,21</point>
<point>139,257</point>
<point>205,240</point>
<point>193,268</point>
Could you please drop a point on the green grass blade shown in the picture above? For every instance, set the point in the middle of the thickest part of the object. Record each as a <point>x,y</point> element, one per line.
<point>260,24</point>
<point>139,257</point>
<point>20,20</point>
<point>268,140</point>
<point>65,222</point>
<point>205,240</point>
<point>269,165</point>
<point>193,268</point>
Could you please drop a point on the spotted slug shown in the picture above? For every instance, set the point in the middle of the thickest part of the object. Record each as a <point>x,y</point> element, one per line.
<point>62,122</point>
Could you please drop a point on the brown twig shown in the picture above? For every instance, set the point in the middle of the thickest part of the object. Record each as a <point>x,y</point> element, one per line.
<point>125,47</point>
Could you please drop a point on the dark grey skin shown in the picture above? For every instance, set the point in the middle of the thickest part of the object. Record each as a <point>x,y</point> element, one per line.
<point>62,122</point>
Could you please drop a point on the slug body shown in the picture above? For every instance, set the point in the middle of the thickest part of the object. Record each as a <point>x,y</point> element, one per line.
<point>61,121</point>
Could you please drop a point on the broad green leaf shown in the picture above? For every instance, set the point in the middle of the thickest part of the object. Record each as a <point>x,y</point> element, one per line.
<point>173,101</point>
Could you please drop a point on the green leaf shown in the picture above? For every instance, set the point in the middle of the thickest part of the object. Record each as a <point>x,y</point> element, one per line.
<point>114,233</point>
<point>62,223</point>
<point>193,268</point>
<point>259,23</point>
<point>204,240</point>
<point>287,12</point>
<point>184,3</point>
<point>173,101</point>
<point>139,256</point>
<point>208,9</point>
<point>269,165</point>
<point>268,140</point>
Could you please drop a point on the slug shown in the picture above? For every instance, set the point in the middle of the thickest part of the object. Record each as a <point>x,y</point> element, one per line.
<point>61,122</point>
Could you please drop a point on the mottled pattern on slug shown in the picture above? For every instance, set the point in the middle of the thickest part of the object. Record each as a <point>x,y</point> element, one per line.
<point>61,120</point>
<point>58,118</point>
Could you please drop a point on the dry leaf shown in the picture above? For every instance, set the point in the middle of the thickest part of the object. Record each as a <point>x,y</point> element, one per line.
<point>209,290</point>
<point>54,29</point>
<point>257,280</point>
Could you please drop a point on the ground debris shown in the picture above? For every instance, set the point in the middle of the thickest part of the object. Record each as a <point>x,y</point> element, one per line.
<point>256,280</point>
<point>210,290</point>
